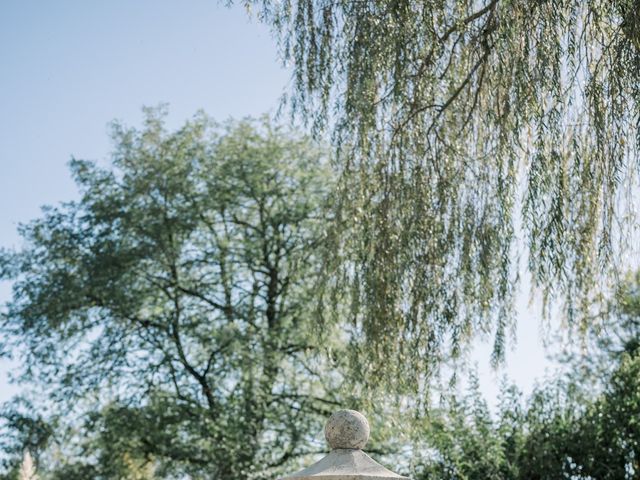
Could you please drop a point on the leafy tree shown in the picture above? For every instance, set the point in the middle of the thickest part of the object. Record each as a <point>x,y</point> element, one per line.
<point>443,112</point>
<point>560,432</point>
<point>168,311</point>
<point>553,435</point>
<point>614,336</point>
<point>609,435</point>
<point>619,335</point>
<point>462,440</point>
<point>607,439</point>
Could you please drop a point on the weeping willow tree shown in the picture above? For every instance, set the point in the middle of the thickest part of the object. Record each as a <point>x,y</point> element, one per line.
<point>460,127</point>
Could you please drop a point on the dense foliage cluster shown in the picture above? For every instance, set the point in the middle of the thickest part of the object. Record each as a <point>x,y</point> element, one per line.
<point>204,305</point>
<point>461,126</point>
<point>169,316</point>
<point>582,426</point>
<point>169,309</point>
<point>553,435</point>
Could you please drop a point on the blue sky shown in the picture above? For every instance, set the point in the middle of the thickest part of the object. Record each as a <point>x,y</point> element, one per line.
<point>71,67</point>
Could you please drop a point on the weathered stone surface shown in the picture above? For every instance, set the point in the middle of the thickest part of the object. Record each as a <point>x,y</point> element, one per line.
<point>347,431</point>
<point>345,464</point>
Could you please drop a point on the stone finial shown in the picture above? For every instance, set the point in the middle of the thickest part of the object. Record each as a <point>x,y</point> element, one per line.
<point>347,429</point>
<point>347,432</point>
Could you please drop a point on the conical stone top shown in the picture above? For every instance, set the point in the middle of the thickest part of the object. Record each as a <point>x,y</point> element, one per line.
<point>347,432</point>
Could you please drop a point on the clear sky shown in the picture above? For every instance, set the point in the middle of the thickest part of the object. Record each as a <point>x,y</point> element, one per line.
<point>70,67</point>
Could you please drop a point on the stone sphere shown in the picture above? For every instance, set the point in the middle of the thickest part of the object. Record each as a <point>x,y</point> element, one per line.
<point>347,429</point>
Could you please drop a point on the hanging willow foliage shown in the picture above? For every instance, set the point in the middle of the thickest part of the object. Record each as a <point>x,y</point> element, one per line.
<point>461,125</point>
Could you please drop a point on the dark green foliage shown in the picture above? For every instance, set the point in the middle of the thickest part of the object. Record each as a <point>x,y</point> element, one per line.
<point>461,439</point>
<point>168,313</point>
<point>459,126</point>
<point>550,437</point>
<point>579,427</point>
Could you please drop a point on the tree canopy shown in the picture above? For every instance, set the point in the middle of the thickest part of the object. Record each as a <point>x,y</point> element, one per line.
<point>170,318</point>
<point>581,425</point>
<point>171,314</point>
<point>461,126</point>
<point>170,308</point>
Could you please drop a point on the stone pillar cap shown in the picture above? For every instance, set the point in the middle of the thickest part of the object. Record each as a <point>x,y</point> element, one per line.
<point>347,432</point>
